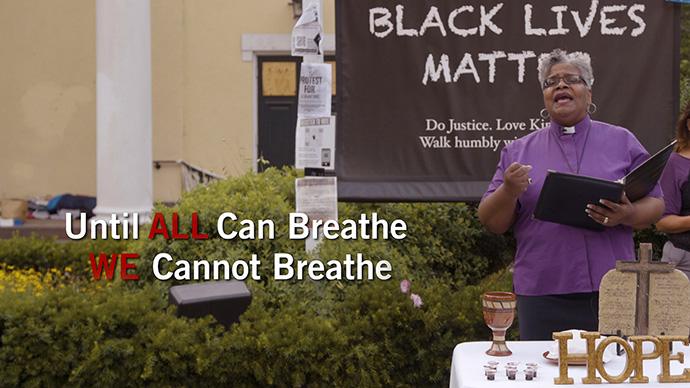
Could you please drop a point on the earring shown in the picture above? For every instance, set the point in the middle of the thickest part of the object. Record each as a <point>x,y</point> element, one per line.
<point>591,108</point>
<point>544,114</point>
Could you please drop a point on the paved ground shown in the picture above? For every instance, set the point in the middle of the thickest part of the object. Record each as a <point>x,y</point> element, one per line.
<point>44,228</point>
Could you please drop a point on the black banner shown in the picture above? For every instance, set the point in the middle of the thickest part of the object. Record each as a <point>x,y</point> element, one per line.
<point>429,91</point>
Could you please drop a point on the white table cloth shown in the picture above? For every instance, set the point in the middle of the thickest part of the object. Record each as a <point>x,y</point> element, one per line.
<point>469,358</point>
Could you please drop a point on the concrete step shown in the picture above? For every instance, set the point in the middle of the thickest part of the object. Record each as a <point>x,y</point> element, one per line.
<point>41,228</point>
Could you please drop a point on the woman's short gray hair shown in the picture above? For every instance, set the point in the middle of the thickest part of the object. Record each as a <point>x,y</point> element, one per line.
<point>576,58</point>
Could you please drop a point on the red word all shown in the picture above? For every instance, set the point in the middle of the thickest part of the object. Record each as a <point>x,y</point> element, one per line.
<point>158,226</point>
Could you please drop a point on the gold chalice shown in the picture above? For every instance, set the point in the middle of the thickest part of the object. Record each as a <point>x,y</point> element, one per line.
<point>499,312</point>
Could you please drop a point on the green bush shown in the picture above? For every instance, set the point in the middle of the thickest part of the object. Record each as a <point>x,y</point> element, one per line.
<point>446,239</point>
<point>653,236</point>
<point>42,254</point>
<point>296,333</point>
<point>124,337</point>
<point>115,338</point>
<point>449,238</point>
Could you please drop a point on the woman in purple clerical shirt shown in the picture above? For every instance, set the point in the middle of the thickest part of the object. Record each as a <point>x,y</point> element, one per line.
<point>674,183</point>
<point>558,268</point>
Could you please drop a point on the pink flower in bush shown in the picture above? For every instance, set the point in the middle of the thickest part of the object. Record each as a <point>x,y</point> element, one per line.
<point>405,286</point>
<point>416,300</point>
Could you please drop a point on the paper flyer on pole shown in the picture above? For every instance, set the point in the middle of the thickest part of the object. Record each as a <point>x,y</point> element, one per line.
<point>317,197</point>
<point>315,143</point>
<point>314,90</point>
<point>308,33</point>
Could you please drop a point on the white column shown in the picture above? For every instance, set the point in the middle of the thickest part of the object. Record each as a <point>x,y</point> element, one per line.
<point>123,106</point>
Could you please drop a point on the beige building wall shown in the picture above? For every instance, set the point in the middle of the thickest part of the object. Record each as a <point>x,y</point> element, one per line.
<point>47,98</point>
<point>204,98</point>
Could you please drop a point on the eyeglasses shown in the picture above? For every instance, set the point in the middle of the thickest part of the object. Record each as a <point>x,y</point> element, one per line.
<point>570,79</point>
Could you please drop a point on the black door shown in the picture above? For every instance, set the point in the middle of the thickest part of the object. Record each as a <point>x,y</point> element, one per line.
<point>278,83</point>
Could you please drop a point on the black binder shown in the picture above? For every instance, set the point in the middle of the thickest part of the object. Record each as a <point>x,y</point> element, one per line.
<point>640,181</point>
<point>564,197</point>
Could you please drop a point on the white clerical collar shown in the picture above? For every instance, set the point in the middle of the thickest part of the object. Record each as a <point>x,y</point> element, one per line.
<point>568,130</point>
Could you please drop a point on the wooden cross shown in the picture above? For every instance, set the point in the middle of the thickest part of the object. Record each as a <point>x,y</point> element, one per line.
<point>643,268</point>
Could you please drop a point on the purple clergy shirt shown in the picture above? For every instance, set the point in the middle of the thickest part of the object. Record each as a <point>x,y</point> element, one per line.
<point>673,179</point>
<point>558,259</point>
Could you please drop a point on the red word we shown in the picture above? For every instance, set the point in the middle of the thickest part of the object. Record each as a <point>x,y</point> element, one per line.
<point>104,264</point>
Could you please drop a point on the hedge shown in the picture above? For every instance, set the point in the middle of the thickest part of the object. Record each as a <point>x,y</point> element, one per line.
<point>75,331</point>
